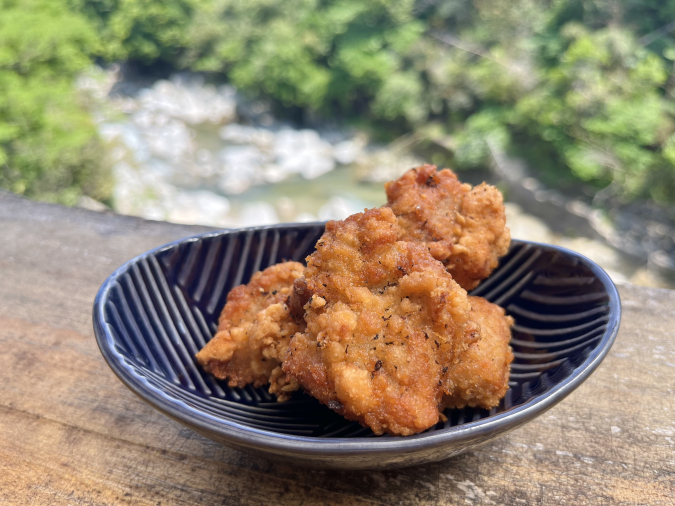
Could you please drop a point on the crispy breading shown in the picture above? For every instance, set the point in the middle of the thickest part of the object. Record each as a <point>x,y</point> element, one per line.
<point>254,331</point>
<point>384,322</point>
<point>464,227</point>
<point>481,376</point>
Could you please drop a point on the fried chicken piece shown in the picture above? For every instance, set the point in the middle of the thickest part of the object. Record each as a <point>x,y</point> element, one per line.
<point>464,227</point>
<point>384,322</point>
<point>254,331</point>
<point>480,378</point>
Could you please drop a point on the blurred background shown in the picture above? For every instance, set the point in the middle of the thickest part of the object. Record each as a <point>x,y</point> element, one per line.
<point>232,113</point>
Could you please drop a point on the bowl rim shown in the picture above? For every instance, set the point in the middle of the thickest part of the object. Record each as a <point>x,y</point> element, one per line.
<point>247,436</point>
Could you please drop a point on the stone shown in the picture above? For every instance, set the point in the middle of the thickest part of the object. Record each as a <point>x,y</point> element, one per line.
<point>525,226</point>
<point>303,152</point>
<point>339,208</point>
<point>199,207</point>
<point>347,152</point>
<point>241,167</point>
<point>257,213</point>
<point>380,165</point>
<point>646,277</point>
<point>86,202</point>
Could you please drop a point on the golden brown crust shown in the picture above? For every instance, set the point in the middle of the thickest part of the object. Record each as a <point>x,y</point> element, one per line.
<point>464,227</point>
<point>481,376</point>
<point>384,321</point>
<point>254,331</point>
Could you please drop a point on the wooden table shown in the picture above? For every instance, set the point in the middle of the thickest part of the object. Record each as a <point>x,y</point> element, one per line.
<point>71,433</point>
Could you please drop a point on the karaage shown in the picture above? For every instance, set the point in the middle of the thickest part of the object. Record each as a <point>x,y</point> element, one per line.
<point>481,376</point>
<point>385,321</point>
<point>254,331</point>
<point>464,227</point>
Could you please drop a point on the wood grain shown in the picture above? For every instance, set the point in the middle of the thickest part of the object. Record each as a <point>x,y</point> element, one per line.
<point>71,433</point>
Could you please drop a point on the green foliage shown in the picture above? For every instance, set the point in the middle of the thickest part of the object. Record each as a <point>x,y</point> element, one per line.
<point>47,139</point>
<point>330,56</point>
<point>143,30</point>
<point>582,89</point>
<point>601,107</point>
<point>593,104</point>
<point>482,132</point>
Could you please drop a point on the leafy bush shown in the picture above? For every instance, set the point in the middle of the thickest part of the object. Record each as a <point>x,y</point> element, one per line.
<point>142,30</point>
<point>601,108</point>
<point>350,56</point>
<point>591,104</point>
<point>48,146</point>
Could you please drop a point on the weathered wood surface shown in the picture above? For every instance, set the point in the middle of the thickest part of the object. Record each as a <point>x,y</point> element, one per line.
<point>71,433</point>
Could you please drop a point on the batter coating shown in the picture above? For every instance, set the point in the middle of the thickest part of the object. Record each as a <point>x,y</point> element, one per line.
<point>464,227</point>
<point>254,331</point>
<point>481,376</point>
<point>385,321</point>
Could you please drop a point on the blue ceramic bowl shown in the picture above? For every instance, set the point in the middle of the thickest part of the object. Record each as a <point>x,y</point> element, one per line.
<point>154,313</point>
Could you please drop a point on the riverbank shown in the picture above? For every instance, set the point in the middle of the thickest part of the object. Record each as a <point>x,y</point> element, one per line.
<point>186,151</point>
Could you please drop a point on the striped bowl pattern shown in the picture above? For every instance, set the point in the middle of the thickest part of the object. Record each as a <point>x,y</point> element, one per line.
<point>154,313</point>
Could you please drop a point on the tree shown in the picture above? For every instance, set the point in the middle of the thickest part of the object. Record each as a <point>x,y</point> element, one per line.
<point>47,138</point>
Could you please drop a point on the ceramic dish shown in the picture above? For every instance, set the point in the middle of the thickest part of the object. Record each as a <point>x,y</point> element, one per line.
<point>155,312</point>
